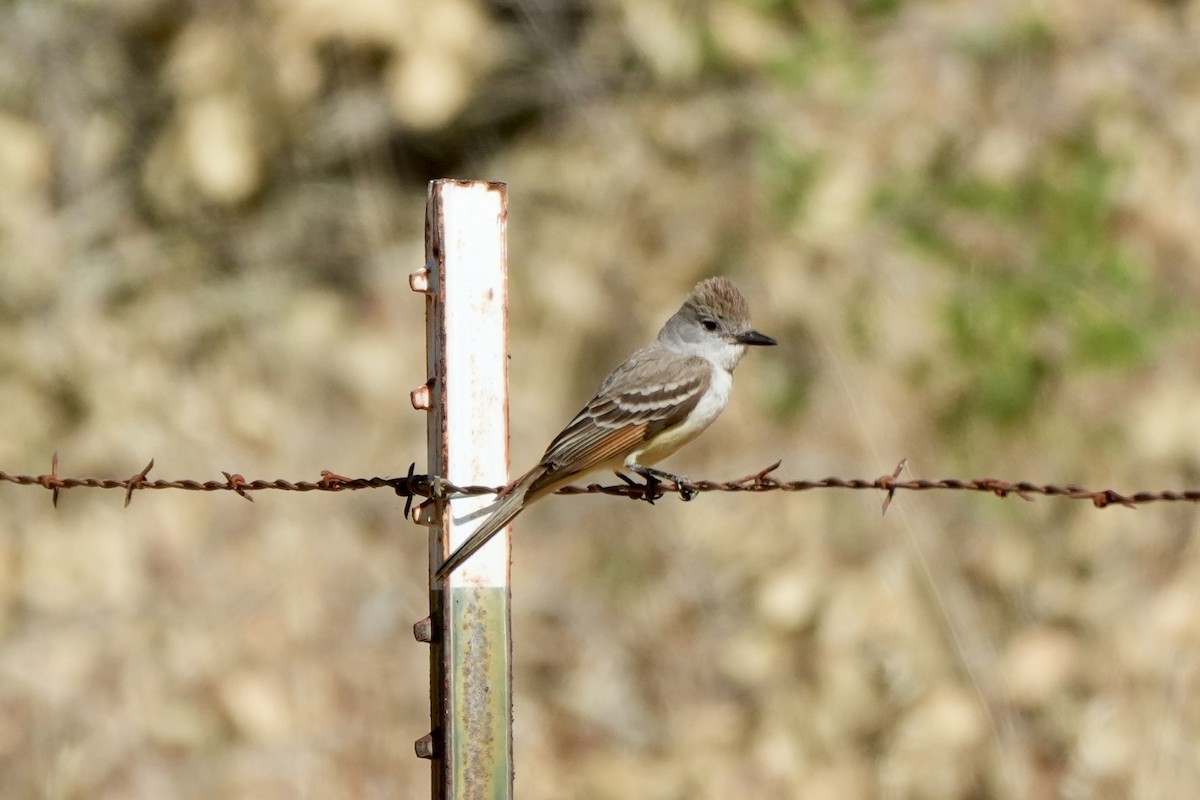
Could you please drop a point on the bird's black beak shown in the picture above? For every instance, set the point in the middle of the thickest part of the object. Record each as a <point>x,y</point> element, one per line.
<point>754,338</point>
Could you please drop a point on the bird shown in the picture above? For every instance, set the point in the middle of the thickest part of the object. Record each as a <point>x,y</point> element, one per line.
<point>662,397</point>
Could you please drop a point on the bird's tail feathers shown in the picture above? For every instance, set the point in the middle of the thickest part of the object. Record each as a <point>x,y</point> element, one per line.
<point>510,505</point>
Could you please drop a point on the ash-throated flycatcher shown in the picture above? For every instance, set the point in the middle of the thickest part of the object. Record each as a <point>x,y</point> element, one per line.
<point>660,399</point>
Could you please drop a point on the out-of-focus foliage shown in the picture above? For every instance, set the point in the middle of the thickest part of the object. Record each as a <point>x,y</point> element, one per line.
<point>972,226</point>
<point>1044,286</point>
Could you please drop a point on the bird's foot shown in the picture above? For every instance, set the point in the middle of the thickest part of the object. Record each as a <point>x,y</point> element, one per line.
<point>653,477</point>
<point>650,489</point>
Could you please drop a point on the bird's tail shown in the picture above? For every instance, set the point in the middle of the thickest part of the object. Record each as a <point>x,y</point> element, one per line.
<point>510,505</point>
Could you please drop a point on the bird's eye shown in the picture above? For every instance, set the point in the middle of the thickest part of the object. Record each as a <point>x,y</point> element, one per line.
<point>709,324</point>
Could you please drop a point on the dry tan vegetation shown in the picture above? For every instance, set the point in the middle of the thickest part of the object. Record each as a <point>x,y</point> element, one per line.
<point>972,226</point>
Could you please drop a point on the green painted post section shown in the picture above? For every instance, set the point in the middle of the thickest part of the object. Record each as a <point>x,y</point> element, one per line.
<point>482,718</point>
<point>465,284</point>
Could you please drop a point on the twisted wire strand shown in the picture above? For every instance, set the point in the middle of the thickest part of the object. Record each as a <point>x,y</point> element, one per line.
<point>413,485</point>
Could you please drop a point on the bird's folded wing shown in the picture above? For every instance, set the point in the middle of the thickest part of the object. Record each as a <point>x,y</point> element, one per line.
<point>646,395</point>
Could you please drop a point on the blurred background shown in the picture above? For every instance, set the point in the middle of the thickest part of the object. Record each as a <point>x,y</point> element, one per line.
<point>972,226</point>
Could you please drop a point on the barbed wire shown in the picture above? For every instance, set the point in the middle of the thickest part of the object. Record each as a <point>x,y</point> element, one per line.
<point>413,485</point>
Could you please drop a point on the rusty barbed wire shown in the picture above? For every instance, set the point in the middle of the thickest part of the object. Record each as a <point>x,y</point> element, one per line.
<point>413,485</point>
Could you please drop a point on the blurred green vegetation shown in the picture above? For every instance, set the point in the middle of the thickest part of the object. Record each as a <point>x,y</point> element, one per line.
<point>789,176</point>
<point>1041,285</point>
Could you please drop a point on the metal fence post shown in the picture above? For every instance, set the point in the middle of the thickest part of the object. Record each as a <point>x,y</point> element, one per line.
<point>465,283</point>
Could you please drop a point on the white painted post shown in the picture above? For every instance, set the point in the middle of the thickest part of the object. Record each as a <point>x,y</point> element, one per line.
<point>465,282</point>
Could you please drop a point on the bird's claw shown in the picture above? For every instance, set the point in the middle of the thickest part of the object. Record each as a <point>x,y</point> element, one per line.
<point>651,491</point>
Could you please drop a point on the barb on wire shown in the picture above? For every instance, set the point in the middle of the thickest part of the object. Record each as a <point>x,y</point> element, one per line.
<point>139,480</point>
<point>53,480</point>
<point>889,481</point>
<point>414,485</point>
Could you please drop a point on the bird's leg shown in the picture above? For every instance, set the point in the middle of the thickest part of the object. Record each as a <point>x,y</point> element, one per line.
<point>650,490</point>
<point>653,475</point>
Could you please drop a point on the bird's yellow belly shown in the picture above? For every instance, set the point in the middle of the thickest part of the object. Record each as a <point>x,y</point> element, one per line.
<point>708,409</point>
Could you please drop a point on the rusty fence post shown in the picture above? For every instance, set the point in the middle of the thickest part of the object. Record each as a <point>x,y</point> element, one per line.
<point>465,283</point>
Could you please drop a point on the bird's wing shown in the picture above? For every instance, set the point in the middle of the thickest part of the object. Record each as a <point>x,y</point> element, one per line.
<point>633,405</point>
